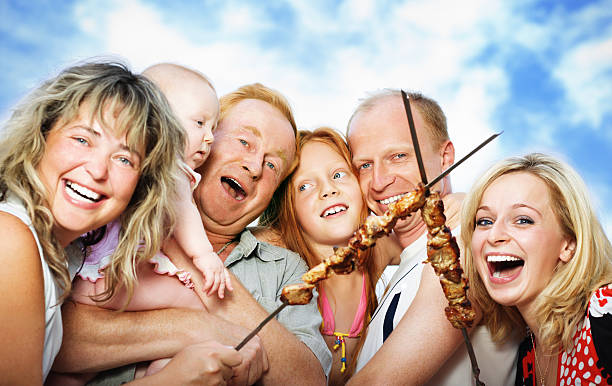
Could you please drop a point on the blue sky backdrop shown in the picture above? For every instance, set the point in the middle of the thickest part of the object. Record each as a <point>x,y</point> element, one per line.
<point>541,71</point>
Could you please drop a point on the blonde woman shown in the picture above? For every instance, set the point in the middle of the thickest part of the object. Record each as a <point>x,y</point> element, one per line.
<point>93,144</point>
<point>540,262</point>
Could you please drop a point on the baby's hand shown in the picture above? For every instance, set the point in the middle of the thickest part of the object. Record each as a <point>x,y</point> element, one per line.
<point>216,277</point>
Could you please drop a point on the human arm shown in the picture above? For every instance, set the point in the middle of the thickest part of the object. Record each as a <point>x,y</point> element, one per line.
<point>191,236</point>
<point>386,252</point>
<point>98,339</point>
<point>432,340</point>
<point>22,307</point>
<point>287,354</point>
<point>207,363</point>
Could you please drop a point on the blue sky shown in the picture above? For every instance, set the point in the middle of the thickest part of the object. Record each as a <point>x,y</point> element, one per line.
<point>541,71</point>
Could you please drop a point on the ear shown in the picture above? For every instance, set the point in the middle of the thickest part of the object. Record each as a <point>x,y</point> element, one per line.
<point>567,251</point>
<point>447,154</point>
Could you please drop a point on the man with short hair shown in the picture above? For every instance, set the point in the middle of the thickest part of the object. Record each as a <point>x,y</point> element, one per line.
<point>253,151</point>
<point>410,318</point>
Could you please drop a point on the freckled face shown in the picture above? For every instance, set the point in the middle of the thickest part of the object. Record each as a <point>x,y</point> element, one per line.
<point>89,174</point>
<point>517,242</point>
<point>326,195</point>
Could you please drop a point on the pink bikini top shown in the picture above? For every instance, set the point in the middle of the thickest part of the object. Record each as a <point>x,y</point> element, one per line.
<point>328,326</point>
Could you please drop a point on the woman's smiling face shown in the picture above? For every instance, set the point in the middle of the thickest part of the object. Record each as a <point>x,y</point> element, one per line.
<point>326,195</point>
<point>89,174</point>
<point>517,240</point>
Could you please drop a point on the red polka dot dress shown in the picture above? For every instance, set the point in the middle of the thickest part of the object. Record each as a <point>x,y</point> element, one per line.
<point>589,361</point>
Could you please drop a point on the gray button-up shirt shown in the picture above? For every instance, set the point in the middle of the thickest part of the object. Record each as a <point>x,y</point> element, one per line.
<point>264,270</point>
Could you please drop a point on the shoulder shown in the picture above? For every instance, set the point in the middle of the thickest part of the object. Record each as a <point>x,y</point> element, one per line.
<point>452,208</point>
<point>16,234</point>
<point>19,255</point>
<point>268,235</point>
<point>599,325</point>
<point>600,303</point>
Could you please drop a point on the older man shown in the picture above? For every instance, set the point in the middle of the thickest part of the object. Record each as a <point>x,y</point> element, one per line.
<point>254,150</point>
<point>410,319</point>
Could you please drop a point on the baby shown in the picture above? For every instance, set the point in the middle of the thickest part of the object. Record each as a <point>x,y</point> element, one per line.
<point>194,102</point>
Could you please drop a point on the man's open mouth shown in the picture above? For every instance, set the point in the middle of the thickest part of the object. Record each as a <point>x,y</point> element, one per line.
<point>504,266</point>
<point>233,188</point>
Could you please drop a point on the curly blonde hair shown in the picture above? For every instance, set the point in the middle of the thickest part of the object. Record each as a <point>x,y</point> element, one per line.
<point>563,302</point>
<point>143,114</point>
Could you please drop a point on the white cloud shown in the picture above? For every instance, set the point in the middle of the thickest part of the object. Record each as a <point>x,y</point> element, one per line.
<point>586,74</point>
<point>435,47</point>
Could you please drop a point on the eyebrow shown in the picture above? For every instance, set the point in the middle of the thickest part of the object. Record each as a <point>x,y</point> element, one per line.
<point>389,150</point>
<point>515,206</point>
<point>98,135</point>
<point>253,130</point>
<point>282,154</point>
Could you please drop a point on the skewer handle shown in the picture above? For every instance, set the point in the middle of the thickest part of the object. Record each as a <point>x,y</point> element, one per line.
<point>260,326</point>
<point>470,349</point>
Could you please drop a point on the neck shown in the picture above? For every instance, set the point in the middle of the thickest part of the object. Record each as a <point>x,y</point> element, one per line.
<point>528,313</point>
<point>64,238</point>
<point>407,234</point>
<point>324,251</point>
<point>219,240</point>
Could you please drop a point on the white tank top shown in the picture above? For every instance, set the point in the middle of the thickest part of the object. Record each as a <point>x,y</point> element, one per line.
<point>53,314</point>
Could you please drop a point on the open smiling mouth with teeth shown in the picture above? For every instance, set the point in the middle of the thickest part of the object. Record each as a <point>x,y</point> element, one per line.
<point>79,192</point>
<point>391,199</point>
<point>234,188</point>
<point>333,210</point>
<point>504,266</point>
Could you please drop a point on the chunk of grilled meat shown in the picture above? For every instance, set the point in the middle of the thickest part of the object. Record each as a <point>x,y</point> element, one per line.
<point>317,273</point>
<point>443,255</point>
<point>344,259</point>
<point>294,294</point>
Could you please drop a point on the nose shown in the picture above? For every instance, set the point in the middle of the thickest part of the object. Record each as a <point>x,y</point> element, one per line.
<point>208,137</point>
<point>328,190</point>
<point>253,164</point>
<point>497,233</point>
<point>381,177</point>
<point>97,167</point>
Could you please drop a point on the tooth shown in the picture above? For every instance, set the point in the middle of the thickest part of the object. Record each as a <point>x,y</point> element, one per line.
<point>496,274</point>
<point>389,200</point>
<point>495,259</point>
<point>84,191</point>
<point>74,195</point>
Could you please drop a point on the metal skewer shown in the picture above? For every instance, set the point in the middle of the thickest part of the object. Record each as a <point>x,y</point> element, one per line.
<point>415,141</point>
<point>417,152</point>
<point>260,326</point>
<point>453,166</point>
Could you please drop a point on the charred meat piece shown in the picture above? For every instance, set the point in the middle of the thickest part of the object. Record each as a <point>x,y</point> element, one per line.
<point>443,255</point>
<point>317,273</point>
<point>295,294</point>
<point>408,204</point>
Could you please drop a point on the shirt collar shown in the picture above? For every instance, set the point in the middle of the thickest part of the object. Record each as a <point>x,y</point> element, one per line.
<point>250,246</point>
